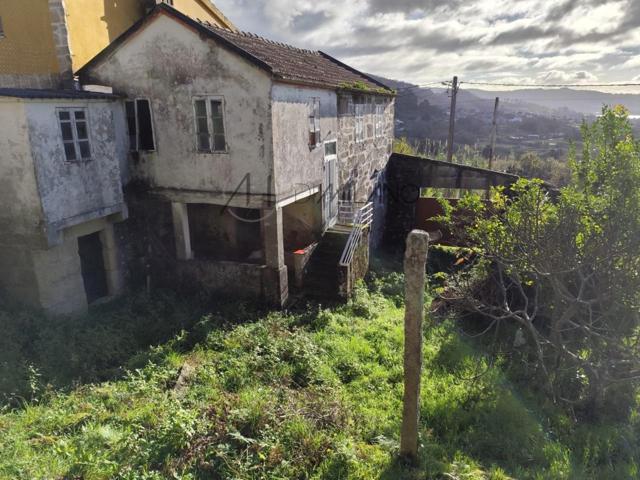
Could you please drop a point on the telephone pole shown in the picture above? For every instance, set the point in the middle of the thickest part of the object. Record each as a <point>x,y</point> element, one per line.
<point>452,119</point>
<point>494,134</point>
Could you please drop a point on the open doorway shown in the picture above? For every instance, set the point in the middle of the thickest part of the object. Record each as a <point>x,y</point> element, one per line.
<point>94,274</point>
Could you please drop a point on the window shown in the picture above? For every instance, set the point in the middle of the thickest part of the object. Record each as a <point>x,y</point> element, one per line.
<point>210,132</point>
<point>1,29</point>
<point>379,120</point>
<point>345,105</point>
<point>140,125</point>
<point>314,122</point>
<point>331,149</point>
<point>359,131</point>
<point>75,133</point>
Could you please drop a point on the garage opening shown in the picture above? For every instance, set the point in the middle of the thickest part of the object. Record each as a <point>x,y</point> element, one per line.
<point>94,274</point>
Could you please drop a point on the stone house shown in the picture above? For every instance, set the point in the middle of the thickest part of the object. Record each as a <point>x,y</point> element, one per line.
<point>62,159</point>
<point>247,166</point>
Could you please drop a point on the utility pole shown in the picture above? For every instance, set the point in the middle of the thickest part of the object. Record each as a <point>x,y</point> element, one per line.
<point>452,119</point>
<point>494,134</point>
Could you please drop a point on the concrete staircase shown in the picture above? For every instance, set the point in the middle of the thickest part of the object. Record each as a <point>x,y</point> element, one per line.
<point>321,278</point>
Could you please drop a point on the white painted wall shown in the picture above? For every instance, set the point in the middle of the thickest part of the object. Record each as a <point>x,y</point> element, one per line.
<point>75,192</point>
<point>20,214</point>
<point>170,64</point>
<point>296,165</point>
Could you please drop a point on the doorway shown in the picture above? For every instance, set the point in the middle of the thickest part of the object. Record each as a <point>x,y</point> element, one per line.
<point>94,274</point>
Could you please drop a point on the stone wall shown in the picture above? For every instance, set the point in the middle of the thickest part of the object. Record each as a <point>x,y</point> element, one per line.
<point>359,160</point>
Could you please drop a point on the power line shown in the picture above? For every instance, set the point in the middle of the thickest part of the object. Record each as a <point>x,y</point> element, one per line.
<point>553,85</point>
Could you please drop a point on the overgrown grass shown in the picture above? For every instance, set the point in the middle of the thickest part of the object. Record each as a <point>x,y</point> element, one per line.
<point>311,394</point>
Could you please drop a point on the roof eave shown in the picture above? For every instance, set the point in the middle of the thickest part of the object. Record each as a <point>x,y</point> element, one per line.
<point>164,9</point>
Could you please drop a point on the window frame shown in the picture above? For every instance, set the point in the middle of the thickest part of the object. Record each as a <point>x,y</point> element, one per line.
<point>71,110</point>
<point>137,120</point>
<point>334,156</point>
<point>314,117</point>
<point>207,101</point>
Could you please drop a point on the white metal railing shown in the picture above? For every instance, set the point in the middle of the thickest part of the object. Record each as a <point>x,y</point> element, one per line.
<point>360,221</point>
<point>347,211</point>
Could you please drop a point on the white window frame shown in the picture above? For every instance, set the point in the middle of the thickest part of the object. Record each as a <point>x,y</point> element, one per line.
<point>74,133</point>
<point>153,125</point>
<point>359,122</point>
<point>208,99</point>
<point>328,158</point>
<point>314,116</point>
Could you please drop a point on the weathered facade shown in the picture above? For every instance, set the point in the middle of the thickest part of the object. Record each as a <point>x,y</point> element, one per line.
<point>267,181</point>
<point>234,152</point>
<point>51,202</point>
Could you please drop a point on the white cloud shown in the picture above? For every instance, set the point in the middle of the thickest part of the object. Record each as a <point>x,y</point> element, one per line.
<point>423,40</point>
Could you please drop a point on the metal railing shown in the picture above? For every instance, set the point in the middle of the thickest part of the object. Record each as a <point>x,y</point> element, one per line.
<point>347,211</point>
<point>360,221</point>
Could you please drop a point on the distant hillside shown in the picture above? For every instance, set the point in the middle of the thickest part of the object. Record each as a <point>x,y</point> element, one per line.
<point>586,102</point>
<point>423,114</point>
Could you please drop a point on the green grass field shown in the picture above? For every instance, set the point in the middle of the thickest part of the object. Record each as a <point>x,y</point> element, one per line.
<point>248,394</point>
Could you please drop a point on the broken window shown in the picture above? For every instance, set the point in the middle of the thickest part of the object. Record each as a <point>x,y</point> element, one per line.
<point>210,131</point>
<point>140,125</point>
<point>359,130</point>
<point>314,122</point>
<point>75,133</point>
<point>379,120</point>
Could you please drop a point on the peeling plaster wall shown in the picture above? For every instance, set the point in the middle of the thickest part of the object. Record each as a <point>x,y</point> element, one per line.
<point>21,214</point>
<point>170,64</point>
<point>299,167</point>
<point>76,192</point>
<point>358,160</point>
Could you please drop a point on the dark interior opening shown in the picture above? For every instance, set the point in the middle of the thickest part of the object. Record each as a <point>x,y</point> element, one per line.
<point>94,274</point>
<point>225,234</point>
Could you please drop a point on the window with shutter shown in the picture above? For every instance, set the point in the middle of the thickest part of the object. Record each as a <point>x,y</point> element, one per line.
<point>210,127</point>
<point>314,123</point>
<point>140,125</point>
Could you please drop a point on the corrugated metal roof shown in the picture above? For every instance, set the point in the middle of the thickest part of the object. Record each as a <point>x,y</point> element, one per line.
<point>36,93</point>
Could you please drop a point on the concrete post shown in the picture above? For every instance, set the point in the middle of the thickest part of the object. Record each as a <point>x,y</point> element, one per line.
<point>181,231</point>
<point>276,281</point>
<point>111,260</point>
<point>414,269</point>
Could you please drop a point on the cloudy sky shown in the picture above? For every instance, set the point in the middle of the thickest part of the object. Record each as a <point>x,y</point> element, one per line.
<point>541,41</point>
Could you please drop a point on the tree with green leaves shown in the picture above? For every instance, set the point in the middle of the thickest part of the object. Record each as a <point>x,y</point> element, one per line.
<point>563,267</point>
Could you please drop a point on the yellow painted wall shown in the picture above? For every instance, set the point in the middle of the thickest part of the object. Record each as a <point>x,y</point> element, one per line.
<point>201,9</point>
<point>27,47</point>
<point>94,24</point>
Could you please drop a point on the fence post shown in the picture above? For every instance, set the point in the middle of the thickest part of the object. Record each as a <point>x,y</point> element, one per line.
<point>415,260</point>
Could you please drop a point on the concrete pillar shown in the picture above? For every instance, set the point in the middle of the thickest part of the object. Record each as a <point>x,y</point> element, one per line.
<point>115,281</point>
<point>414,270</point>
<point>276,282</point>
<point>181,231</point>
